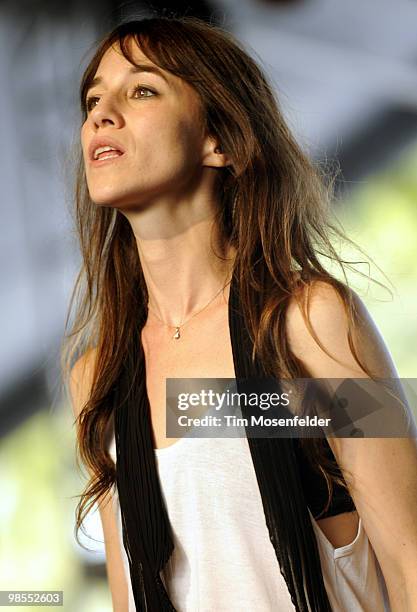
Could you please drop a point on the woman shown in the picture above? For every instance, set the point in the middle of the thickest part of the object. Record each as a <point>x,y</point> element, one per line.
<point>201,225</point>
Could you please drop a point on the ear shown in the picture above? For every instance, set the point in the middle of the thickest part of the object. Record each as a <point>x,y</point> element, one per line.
<point>213,154</point>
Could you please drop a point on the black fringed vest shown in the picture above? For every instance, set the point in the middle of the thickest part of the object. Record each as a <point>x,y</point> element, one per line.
<point>287,484</point>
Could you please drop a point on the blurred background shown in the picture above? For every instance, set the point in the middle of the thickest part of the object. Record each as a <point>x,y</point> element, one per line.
<point>346,77</point>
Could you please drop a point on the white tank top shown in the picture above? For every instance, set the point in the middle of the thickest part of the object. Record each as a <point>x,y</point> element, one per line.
<point>223,560</point>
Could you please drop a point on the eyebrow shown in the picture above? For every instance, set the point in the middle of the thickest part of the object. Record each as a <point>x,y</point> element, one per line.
<point>134,70</point>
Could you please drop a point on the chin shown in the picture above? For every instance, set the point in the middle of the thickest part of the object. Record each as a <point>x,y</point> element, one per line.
<point>106,196</point>
<point>101,200</point>
<point>122,202</point>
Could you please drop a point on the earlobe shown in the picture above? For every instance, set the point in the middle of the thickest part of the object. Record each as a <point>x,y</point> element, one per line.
<point>215,155</point>
<point>218,150</point>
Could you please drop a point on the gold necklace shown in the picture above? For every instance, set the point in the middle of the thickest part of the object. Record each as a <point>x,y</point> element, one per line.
<point>177,334</point>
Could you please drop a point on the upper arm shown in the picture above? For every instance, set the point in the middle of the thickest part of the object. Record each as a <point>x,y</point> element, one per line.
<point>329,321</point>
<point>80,382</point>
<point>383,470</point>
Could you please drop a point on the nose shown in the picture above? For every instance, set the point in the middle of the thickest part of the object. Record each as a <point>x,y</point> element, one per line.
<point>106,113</point>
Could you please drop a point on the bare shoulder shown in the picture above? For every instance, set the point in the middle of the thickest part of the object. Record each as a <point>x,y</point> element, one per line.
<point>328,317</point>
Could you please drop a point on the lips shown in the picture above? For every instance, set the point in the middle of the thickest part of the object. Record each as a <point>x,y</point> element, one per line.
<point>113,157</point>
<point>103,141</point>
<point>106,154</point>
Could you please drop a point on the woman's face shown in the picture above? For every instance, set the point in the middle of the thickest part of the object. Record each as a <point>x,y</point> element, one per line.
<point>154,121</point>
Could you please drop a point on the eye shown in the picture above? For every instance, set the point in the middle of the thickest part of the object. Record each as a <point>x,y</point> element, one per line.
<point>141,87</point>
<point>90,99</point>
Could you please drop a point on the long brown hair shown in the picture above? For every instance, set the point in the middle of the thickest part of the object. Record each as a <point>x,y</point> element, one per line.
<point>274,208</point>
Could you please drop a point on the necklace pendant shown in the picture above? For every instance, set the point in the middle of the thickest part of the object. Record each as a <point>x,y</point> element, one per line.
<point>177,333</point>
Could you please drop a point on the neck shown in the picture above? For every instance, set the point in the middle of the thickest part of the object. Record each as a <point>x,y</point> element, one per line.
<point>181,269</point>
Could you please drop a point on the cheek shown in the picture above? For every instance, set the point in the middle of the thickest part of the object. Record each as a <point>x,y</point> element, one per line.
<point>168,144</point>
<point>83,140</point>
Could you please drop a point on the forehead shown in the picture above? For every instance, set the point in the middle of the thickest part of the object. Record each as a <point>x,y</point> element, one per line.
<point>114,66</point>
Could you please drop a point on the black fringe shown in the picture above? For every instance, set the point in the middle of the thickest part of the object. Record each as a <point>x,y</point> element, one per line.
<point>147,534</point>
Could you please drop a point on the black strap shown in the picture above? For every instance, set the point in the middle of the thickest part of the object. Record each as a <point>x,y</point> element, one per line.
<point>284,504</point>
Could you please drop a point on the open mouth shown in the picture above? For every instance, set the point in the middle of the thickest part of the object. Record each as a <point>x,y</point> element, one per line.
<point>107,157</point>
